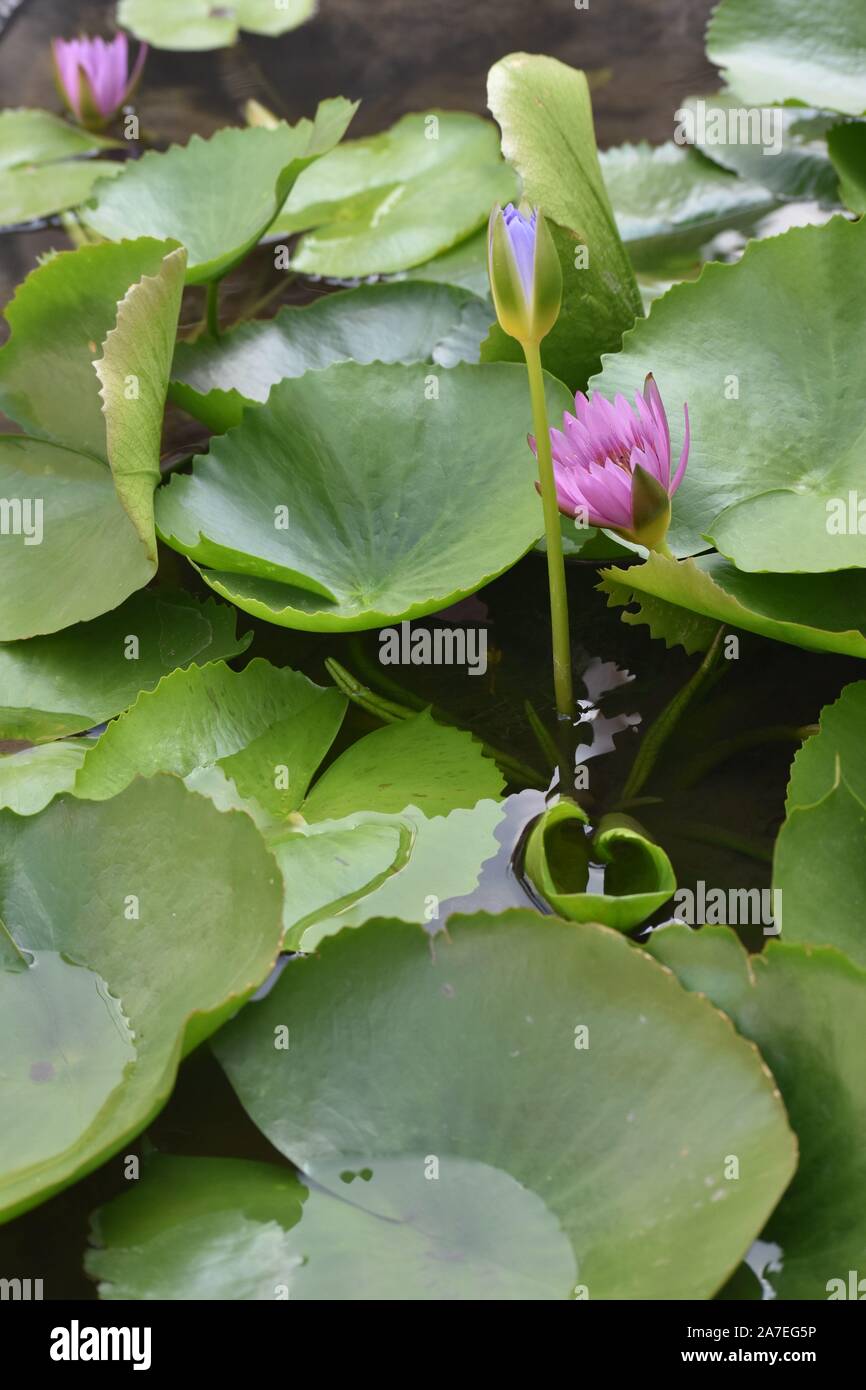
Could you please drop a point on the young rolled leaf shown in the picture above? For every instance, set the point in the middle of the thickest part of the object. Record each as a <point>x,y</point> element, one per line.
<point>562,863</point>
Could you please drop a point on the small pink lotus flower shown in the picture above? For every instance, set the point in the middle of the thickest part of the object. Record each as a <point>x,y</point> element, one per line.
<point>94,78</point>
<point>612,464</point>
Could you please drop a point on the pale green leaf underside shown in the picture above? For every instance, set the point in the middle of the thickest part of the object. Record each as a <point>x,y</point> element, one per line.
<point>134,957</point>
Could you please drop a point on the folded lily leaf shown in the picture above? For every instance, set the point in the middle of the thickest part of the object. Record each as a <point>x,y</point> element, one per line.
<point>563,864</point>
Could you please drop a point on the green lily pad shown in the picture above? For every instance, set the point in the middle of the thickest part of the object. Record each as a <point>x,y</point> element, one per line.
<point>818,863</point>
<point>384,865</point>
<point>839,739</point>
<point>375,323</point>
<point>82,479</point>
<point>805,1009</point>
<point>820,612</point>
<point>32,777</point>
<point>557,1055</point>
<point>563,862</point>
<point>210,714</point>
<point>44,164</point>
<point>669,202</point>
<point>229,1229</point>
<point>785,50</point>
<point>544,109</point>
<point>395,199</point>
<point>200,24</point>
<point>132,959</point>
<point>217,196</point>
<point>774,449</point>
<point>464,264</point>
<point>360,495</point>
<point>847,147</point>
<point>784,149</point>
<point>76,679</point>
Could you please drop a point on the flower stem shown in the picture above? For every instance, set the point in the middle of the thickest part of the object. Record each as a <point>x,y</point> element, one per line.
<point>664,549</point>
<point>555,563</point>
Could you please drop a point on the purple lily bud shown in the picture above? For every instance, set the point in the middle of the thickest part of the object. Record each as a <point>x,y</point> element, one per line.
<point>94,78</point>
<point>525,275</point>
<point>612,464</point>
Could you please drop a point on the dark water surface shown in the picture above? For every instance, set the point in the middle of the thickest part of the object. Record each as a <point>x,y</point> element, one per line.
<point>400,56</point>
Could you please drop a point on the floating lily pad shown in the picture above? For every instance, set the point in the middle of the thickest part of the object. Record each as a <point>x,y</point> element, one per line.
<point>847,146</point>
<point>558,1055</point>
<point>215,196</point>
<point>821,612</point>
<point>775,448</point>
<point>669,203</point>
<point>393,200</point>
<point>544,109</point>
<point>131,959</point>
<point>784,149</point>
<point>44,164</point>
<point>82,479</point>
<point>805,1008</point>
<point>618,876</point>
<point>376,323</point>
<point>211,714</point>
<point>229,1229</point>
<point>360,495</point>
<point>785,50</point>
<point>32,777</point>
<point>819,865</point>
<point>464,265</point>
<point>202,24</point>
<point>76,679</point>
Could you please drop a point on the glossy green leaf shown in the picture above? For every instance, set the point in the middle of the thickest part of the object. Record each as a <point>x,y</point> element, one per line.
<point>617,876</point>
<point>44,164</point>
<point>464,264</point>
<point>360,495</point>
<point>476,1051</point>
<point>821,612</point>
<point>784,149</point>
<point>544,110</point>
<point>669,203</point>
<point>211,714</point>
<point>777,415</point>
<point>805,1009</point>
<point>133,958</point>
<point>792,50</point>
<point>229,1229</point>
<point>80,536</point>
<point>416,762</point>
<point>76,679</point>
<point>847,146</point>
<point>199,24</point>
<point>839,741</point>
<point>395,199</point>
<point>215,196</point>
<point>819,865</point>
<point>375,323</point>
<point>32,777</point>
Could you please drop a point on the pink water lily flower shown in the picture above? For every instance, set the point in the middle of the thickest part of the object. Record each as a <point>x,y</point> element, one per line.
<point>94,77</point>
<point>612,464</point>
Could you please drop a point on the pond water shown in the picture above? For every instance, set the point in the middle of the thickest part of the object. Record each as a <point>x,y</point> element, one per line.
<point>717,826</point>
